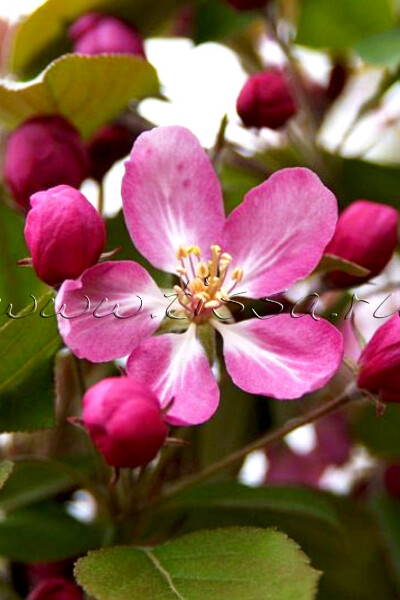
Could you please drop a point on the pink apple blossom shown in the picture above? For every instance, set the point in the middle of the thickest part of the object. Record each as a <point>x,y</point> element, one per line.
<point>174,211</point>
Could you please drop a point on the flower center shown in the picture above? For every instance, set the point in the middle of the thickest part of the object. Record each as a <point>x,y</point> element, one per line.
<point>204,285</point>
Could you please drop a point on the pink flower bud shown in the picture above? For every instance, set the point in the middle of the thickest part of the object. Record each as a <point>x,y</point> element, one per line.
<point>266,101</point>
<point>56,589</point>
<point>44,152</point>
<point>247,4</point>
<point>64,233</point>
<point>379,362</point>
<point>96,33</point>
<point>125,421</point>
<point>109,144</point>
<point>366,234</point>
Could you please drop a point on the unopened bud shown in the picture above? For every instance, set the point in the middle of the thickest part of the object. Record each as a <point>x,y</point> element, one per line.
<point>125,421</point>
<point>64,233</point>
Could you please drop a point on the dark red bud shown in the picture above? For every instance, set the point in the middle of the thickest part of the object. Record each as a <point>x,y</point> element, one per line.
<point>96,33</point>
<point>109,144</point>
<point>266,101</point>
<point>247,4</point>
<point>366,234</point>
<point>42,153</point>
<point>56,589</point>
<point>125,421</point>
<point>64,233</point>
<point>379,363</point>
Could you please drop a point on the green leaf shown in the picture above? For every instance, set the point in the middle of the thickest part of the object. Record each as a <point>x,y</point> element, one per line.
<point>16,283</point>
<point>34,480</point>
<point>387,513</point>
<point>27,349</point>
<point>329,263</point>
<point>231,563</point>
<point>382,49</point>
<point>302,503</point>
<point>336,533</point>
<point>216,20</point>
<point>342,23</point>
<point>87,90</point>
<point>43,35</point>
<point>6,468</point>
<point>361,179</point>
<point>379,434</point>
<point>45,533</point>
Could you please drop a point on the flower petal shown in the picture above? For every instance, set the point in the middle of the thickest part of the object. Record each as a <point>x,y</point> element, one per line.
<point>279,232</point>
<point>171,196</point>
<point>98,335</point>
<point>281,357</point>
<point>176,367</point>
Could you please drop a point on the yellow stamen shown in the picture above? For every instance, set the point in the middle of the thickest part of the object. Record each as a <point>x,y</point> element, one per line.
<point>182,253</point>
<point>237,274</point>
<point>202,270</point>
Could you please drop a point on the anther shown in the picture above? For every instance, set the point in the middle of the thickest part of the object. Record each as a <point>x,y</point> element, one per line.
<point>202,270</point>
<point>237,274</point>
<point>182,253</point>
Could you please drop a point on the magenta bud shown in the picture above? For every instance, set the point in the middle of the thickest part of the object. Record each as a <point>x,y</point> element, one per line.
<point>97,33</point>
<point>64,233</point>
<point>247,4</point>
<point>379,363</point>
<point>125,421</point>
<point>266,100</point>
<point>56,589</point>
<point>366,234</point>
<point>109,144</point>
<point>42,153</point>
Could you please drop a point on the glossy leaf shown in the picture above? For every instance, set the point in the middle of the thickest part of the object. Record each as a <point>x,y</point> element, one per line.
<point>337,533</point>
<point>87,90</point>
<point>340,24</point>
<point>42,36</point>
<point>45,533</point>
<point>231,563</point>
<point>27,349</point>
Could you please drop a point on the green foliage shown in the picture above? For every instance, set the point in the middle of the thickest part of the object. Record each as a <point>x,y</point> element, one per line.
<point>360,179</point>
<point>42,36</point>
<point>338,534</point>
<point>45,533</point>
<point>216,20</point>
<point>387,514</point>
<point>35,480</point>
<point>231,563</point>
<point>379,435</point>
<point>342,23</point>
<point>88,90</point>
<point>329,263</point>
<point>382,49</point>
<point>6,468</point>
<point>16,283</point>
<point>27,349</point>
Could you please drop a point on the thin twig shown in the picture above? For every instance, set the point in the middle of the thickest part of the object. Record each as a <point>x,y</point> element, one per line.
<point>321,411</point>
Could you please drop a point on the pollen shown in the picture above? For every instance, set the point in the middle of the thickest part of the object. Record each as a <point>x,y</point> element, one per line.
<point>202,283</point>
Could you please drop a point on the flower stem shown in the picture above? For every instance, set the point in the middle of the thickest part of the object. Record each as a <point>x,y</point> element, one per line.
<point>350,393</point>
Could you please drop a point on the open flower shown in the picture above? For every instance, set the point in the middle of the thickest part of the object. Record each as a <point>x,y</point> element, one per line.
<point>174,211</point>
